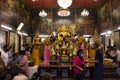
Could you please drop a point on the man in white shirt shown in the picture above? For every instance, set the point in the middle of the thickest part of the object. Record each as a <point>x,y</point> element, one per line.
<point>4,54</point>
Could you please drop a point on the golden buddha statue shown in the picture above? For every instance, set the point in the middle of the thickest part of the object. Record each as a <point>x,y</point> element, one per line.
<point>36,49</point>
<point>37,39</point>
<point>63,31</point>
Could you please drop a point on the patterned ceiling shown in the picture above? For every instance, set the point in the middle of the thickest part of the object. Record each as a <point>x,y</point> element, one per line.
<point>53,3</point>
<point>103,15</point>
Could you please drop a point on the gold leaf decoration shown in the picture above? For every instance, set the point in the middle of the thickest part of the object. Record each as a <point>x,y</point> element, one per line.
<point>96,37</point>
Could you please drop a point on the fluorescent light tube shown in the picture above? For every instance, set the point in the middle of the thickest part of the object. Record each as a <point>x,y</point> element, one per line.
<point>118,28</point>
<point>109,32</point>
<point>43,35</point>
<point>20,33</point>
<point>6,27</point>
<point>20,26</point>
<point>87,36</point>
<point>104,33</point>
<point>25,34</point>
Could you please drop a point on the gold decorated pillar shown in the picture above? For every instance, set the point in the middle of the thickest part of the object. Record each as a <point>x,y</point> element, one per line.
<point>96,40</point>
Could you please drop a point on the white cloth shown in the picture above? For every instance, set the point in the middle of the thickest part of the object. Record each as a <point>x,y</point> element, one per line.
<point>32,70</point>
<point>20,77</point>
<point>4,57</point>
<point>118,55</point>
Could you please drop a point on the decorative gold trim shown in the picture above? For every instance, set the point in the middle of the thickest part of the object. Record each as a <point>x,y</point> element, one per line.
<point>63,28</point>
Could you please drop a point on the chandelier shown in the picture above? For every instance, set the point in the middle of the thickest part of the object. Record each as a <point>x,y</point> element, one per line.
<point>42,13</point>
<point>64,3</point>
<point>63,12</point>
<point>34,0</point>
<point>84,13</point>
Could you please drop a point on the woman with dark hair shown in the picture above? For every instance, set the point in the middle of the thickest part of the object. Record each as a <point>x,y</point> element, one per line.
<point>79,65</point>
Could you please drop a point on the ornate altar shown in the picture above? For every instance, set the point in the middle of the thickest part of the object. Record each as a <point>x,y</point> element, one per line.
<point>62,50</point>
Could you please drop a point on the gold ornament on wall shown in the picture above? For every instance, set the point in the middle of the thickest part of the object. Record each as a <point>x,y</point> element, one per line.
<point>96,37</point>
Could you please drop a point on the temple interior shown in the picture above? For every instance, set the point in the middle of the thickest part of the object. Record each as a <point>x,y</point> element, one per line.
<point>50,34</point>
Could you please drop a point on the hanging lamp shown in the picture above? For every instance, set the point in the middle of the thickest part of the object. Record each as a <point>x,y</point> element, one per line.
<point>42,13</point>
<point>64,3</point>
<point>85,12</point>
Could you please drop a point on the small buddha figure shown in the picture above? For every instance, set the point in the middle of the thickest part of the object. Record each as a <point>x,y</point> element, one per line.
<point>64,54</point>
<point>36,40</point>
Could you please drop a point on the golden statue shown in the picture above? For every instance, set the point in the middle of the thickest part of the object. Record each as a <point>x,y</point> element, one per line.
<point>36,48</point>
<point>36,40</point>
<point>63,46</point>
<point>96,37</point>
<point>63,31</point>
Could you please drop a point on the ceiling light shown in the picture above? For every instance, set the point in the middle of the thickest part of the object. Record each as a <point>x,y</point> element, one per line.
<point>63,12</point>
<point>43,35</point>
<point>34,0</point>
<point>20,26</point>
<point>118,28</point>
<point>25,34</point>
<point>64,3</point>
<point>104,33</point>
<point>84,13</point>
<point>109,32</point>
<point>87,36</point>
<point>6,27</point>
<point>20,33</point>
<point>95,0</point>
<point>42,13</point>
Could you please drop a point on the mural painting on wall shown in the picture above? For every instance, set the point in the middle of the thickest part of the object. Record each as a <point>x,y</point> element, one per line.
<point>116,13</point>
<point>109,14</point>
<point>60,20</point>
<point>85,24</point>
<point>45,24</point>
<point>6,10</point>
<point>14,10</point>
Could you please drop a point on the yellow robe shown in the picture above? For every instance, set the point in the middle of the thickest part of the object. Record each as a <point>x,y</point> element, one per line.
<point>36,55</point>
